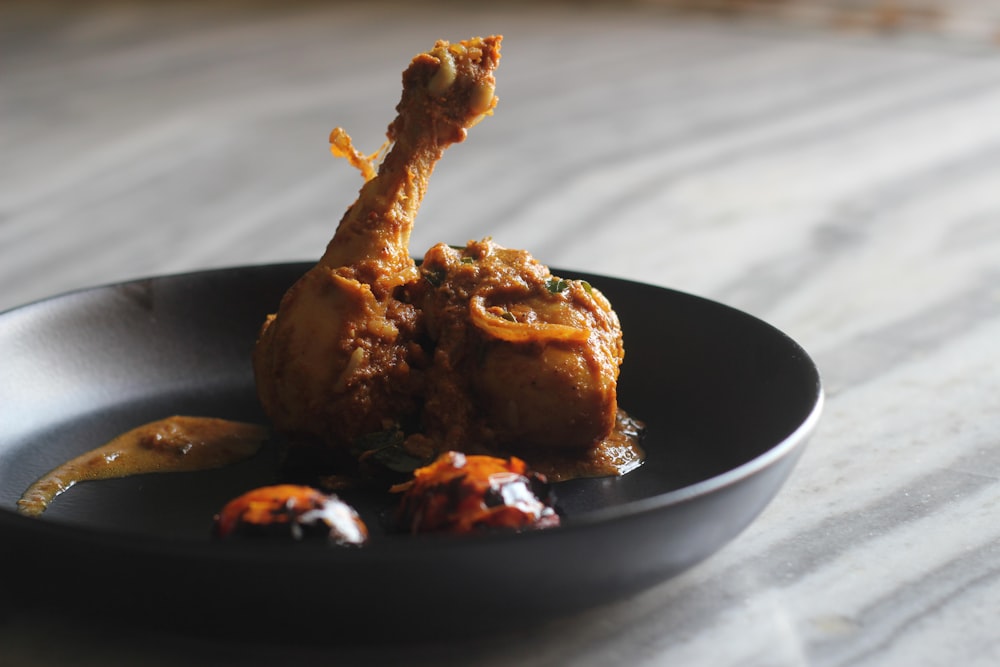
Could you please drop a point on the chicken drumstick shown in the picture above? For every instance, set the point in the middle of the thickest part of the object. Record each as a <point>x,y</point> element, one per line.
<point>338,358</point>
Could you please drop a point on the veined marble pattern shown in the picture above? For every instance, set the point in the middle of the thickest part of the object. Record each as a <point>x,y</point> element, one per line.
<point>844,187</point>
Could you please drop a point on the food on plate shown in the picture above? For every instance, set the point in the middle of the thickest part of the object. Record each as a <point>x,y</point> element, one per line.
<point>480,349</point>
<point>521,357</point>
<point>341,356</point>
<point>174,444</point>
<point>479,372</point>
<point>461,493</point>
<point>290,511</point>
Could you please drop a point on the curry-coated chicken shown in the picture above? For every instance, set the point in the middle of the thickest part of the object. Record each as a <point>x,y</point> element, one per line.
<point>339,358</point>
<point>521,357</point>
<point>480,350</point>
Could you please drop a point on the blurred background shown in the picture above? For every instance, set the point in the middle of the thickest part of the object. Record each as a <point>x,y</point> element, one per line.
<point>149,137</point>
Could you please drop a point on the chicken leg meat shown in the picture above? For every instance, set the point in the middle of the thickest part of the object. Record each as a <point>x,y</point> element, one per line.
<point>340,357</point>
<point>479,350</point>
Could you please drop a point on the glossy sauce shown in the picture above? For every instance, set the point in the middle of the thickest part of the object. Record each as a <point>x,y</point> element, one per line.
<point>618,454</point>
<point>174,444</point>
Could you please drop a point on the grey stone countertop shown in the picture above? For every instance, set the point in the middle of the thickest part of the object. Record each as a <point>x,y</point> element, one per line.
<point>839,182</point>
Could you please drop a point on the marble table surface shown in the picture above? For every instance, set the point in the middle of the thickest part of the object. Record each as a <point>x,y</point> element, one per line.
<point>838,180</point>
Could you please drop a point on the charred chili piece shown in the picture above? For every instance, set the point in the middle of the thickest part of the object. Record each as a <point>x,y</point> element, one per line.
<point>289,511</point>
<point>466,494</point>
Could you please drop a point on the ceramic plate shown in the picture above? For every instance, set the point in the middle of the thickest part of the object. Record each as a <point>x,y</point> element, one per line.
<point>727,399</point>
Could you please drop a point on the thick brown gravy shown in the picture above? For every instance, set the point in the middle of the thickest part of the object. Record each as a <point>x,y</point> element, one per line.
<point>174,444</point>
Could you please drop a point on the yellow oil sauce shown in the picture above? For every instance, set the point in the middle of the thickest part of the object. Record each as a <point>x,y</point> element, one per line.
<point>174,444</point>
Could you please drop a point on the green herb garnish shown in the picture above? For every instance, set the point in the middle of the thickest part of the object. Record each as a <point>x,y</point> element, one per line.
<point>556,285</point>
<point>386,449</point>
<point>435,278</point>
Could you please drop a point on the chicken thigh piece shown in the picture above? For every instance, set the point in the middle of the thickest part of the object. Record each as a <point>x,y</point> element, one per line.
<point>339,358</point>
<point>522,358</point>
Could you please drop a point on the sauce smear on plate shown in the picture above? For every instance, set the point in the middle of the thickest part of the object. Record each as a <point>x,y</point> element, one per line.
<point>174,444</point>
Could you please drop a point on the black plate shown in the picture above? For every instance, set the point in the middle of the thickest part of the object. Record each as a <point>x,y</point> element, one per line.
<point>728,400</point>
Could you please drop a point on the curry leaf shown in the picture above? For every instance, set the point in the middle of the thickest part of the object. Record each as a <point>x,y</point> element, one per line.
<point>435,278</point>
<point>556,285</point>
